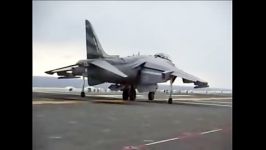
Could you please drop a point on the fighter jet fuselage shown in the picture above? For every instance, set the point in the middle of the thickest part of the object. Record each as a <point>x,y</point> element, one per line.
<point>134,69</point>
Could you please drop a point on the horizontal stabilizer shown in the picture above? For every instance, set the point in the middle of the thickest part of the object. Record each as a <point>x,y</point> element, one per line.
<point>61,69</point>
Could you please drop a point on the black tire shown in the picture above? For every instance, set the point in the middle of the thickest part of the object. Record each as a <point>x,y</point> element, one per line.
<point>82,94</point>
<point>170,101</point>
<point>151,96</point>
<point>132,94</point>
<point>125,94</point>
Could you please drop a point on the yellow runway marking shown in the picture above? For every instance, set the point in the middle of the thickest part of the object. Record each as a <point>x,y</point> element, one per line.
<point>110,101</point>
<point>53,102</point>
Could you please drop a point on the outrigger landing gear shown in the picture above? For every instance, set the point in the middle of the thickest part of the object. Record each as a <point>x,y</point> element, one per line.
<point>170,100</point>
<point>82,94</point>
<point>129,93</point>
<point>151,96</point>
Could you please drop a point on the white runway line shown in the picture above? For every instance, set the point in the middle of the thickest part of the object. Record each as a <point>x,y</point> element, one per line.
<point>206,99</point>
<point>162,141</point>
<point>178,138</point>
<point>55,137</point>
<point>206,132</point>
<point>207,104</point>
<point>214,102</point>
<point>72,122</point>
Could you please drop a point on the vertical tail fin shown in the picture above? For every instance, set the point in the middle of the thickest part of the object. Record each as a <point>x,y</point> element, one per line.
<point>94,48</point>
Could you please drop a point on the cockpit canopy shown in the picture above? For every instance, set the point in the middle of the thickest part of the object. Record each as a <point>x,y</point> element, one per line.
<point>163,56</point>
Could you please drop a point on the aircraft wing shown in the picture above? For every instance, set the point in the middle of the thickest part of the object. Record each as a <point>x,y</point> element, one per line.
<point>188,78</point>
<point>107,66</point>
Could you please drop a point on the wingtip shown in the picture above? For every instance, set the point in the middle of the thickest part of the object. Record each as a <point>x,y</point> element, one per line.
<point>202,85</point>
<point>49,72</point>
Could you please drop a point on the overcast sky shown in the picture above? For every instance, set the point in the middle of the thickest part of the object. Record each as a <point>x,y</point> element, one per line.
<point>196,34</point>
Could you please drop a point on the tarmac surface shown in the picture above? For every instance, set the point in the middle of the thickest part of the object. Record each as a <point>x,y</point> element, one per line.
<point>65,121</point>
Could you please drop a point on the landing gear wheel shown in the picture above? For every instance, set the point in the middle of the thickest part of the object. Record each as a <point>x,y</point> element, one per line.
<point>151,96</point>
<point>132,94</point>
<point>170,101</point>
<point>82,94</point>
<point>125,94</point>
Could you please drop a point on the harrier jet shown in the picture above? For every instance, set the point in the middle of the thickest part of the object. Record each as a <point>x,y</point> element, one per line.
<point>141,72</point>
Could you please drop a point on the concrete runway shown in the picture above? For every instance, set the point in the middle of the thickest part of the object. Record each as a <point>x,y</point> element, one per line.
<point>65,121</point>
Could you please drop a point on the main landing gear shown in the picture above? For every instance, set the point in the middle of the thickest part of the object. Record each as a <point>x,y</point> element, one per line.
<point>129,93</point>
<point>82,94</point>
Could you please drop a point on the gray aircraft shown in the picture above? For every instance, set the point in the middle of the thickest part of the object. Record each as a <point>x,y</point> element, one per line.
<point>141,72</point>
